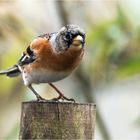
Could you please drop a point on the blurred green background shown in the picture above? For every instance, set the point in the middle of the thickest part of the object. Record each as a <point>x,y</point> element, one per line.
<point>109,74</point>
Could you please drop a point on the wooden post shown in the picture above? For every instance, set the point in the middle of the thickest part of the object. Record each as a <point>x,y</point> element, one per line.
<point>57,120</point>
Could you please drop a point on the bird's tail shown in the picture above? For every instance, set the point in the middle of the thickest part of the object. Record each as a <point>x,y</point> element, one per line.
<point>11,72</point>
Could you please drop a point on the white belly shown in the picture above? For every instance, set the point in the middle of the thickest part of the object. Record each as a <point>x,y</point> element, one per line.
<point>43,77</point>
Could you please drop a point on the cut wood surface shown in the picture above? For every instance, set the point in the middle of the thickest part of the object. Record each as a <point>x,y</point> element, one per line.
<point>57,120</point>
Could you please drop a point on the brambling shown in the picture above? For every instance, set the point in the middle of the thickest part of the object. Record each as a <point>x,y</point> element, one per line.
<point>50,58</point>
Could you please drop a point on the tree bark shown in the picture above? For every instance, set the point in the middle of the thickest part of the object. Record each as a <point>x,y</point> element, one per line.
<point>57,120</point>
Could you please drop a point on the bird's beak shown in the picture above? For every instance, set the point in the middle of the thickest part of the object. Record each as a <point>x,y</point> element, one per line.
<point>78,40</point>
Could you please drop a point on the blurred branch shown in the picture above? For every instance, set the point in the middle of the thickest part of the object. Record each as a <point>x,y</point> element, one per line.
<point>62,12</point>
<point>85,82</point>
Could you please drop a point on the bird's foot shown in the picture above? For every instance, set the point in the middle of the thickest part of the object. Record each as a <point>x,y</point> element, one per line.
<point>63,98</point>
<point>40,99</point>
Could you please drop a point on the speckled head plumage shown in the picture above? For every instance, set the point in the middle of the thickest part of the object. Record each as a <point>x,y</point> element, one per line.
<point>70,36</point>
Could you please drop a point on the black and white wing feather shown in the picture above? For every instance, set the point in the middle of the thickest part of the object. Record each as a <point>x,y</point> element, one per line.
<point>26,58</point>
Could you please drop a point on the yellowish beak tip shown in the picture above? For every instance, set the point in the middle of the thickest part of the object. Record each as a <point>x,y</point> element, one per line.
<point>77,40</point>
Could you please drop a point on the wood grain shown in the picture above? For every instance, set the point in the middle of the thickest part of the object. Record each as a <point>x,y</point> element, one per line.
<point>57,120</point>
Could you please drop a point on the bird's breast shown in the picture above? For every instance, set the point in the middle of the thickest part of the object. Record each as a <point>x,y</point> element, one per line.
<point>61,62</point>
<point>43,76</point>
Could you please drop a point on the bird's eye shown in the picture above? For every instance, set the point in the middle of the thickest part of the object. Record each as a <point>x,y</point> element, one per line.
<point>68,36</point>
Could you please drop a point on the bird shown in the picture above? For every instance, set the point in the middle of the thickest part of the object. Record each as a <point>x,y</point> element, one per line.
<point>50,58</point>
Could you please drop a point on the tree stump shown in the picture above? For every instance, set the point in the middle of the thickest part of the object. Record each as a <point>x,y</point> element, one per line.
<point>57,120</point>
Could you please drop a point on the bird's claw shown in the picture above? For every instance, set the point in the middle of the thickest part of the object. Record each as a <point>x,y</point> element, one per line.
<point>40,99</point>
<point>63,98</point>
<point>58,99</point>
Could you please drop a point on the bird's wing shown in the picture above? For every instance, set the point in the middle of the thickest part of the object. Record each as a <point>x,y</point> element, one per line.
<point>27,57</point>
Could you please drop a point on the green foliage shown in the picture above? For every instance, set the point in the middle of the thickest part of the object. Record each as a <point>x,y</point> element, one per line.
<point>114,49</point>
<point>130,67</point>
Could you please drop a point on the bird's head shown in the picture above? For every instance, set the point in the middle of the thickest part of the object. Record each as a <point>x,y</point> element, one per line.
<point>70,36</point>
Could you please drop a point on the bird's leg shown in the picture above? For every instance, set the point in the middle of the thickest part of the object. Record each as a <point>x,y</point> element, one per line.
<point>39,98</point>
<point>61,96</point>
